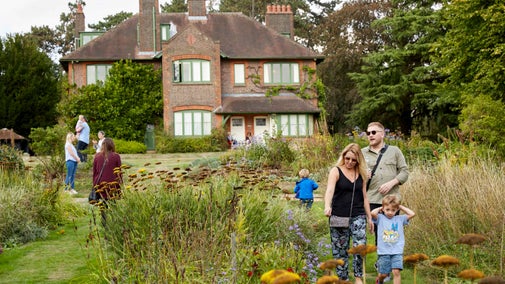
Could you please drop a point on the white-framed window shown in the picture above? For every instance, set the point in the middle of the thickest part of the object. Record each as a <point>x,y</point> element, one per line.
<point>167,32</point>
<point>281,73</point>
<point>298,125</point>
<point>194,70</point>
<point>239,74</point>
<point>97,72</point>
<point>192,123</point>
<point>86,37</point>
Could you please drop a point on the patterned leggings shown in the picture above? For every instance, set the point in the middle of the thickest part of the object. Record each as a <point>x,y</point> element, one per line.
<point>340,244</point>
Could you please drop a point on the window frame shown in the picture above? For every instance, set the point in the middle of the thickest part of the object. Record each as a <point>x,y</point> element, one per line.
<point>96,74</point>
<point>165,33</point>
<point>274,73</point>
<point>296,125</point>
<point>240,74</point>
<point>182,69</point>
<point>188,122</point>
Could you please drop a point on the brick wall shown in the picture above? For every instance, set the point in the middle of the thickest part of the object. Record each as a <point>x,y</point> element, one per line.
<point>190,44</point>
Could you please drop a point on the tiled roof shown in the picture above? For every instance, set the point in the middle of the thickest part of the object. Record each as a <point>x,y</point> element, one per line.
<point>251,104</point>
<point>240,37</point>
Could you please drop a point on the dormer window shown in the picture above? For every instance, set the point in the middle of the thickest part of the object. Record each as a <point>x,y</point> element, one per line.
<point>167,31</point>
<point>281,73</point>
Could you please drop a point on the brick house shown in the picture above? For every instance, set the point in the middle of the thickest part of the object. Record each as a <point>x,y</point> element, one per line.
<point>217,68</point>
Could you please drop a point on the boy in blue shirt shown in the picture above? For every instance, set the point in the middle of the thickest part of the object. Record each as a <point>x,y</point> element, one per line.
<point>390,237</point>
<point>304,189</point>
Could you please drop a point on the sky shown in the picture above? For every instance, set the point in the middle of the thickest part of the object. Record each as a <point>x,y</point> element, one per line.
<point>19,15</point>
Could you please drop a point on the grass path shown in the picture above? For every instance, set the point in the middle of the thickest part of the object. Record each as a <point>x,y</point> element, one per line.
<point>60,258</point>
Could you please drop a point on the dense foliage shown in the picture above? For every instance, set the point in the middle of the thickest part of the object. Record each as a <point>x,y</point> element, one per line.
<point>29,88</point>
<point>123,106</point>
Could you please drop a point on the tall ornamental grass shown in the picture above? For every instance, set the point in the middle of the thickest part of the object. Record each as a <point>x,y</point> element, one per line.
<point>217,232</point>
<point>28,209</point>
<point>452,199</point>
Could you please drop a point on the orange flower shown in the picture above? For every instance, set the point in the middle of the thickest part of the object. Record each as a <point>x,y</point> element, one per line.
<point>445,261</point>
<point>471,239</point>
<point>331,264</point>
<point>470,274</point>
<point>331,280</point>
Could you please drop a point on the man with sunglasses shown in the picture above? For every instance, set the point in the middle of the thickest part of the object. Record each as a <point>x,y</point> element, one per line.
<point>391,170</point>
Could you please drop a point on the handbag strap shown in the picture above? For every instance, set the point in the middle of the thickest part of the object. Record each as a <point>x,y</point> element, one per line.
<point>353,190</point>
<point>101,171</point>
<point>376,164</point>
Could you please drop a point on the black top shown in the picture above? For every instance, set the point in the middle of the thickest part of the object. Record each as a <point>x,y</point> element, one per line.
<point>342,196</point>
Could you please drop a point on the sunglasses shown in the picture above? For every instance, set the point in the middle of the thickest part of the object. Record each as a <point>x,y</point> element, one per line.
<point>351,159</point>
<point>373,132</point>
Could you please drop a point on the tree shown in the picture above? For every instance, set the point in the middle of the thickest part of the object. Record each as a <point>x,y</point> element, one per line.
<point>397,83</point>
<point>347,36</point>
<point>305,19</point>
<point>59,40</point>
<point>29,87</point>
<point>110,21</point>
<point>471,56</point>
<point>123,105</point>
<point>176,6</point>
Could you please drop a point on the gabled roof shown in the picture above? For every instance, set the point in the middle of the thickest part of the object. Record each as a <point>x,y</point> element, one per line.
<point>240,37</point>
<point>254,104</point>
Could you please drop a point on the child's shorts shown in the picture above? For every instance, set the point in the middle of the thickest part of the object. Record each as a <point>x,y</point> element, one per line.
<point>388,262</point>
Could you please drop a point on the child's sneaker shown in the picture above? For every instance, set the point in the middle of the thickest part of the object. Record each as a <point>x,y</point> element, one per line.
<point>388,278</point>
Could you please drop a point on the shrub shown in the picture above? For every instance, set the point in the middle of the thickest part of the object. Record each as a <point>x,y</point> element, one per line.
<point>10,159</point>
<point>49,141</point>
<point>214,143</point>
<point>129,147</point>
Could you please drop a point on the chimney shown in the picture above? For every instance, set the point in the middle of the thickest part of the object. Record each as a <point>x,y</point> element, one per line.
<point>280,18</point>
<point>148,26</point>
<point>196,8</point>
<point>79,24</point>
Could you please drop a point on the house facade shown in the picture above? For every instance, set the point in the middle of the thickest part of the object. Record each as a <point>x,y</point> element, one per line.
<point>218,69</point>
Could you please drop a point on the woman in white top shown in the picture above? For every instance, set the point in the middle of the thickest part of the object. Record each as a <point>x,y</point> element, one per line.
<point>98,144</point>
<point>71,161</point>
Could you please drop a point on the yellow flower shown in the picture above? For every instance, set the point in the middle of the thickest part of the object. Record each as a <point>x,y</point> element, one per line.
<point>286,278</point>
<point>269,276</point>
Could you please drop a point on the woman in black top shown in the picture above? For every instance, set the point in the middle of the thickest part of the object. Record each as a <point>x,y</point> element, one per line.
<point>346,197</point>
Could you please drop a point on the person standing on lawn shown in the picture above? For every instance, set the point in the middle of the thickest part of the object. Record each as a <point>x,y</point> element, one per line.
<point>71,161</point>
<point>391,237</point>
<point>346,197</point>
<point>304,189</point>
<point>390,172</point>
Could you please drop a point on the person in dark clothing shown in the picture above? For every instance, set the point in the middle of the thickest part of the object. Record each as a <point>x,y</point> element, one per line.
<point>346,197</point>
